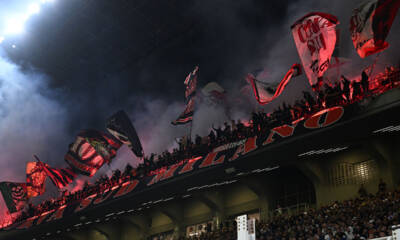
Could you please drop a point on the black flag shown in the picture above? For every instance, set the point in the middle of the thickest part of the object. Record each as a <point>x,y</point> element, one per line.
<point>14,195</point>
<point>120,126</point>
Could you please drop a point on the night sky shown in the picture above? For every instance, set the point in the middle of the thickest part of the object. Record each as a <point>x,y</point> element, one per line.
<point>99,54</point>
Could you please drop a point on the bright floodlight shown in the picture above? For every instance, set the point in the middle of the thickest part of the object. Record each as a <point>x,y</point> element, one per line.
<point>46,1</point>
<point>13,46</point>
<point>15,25</point>
<point>34,8</point>
<point>1,39</point>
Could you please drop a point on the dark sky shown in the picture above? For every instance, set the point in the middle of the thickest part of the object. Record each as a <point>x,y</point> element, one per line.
<point>100,54</point>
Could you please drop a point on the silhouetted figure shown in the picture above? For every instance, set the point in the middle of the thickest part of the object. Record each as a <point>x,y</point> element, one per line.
<point>197,140</point>
<point>218,131</point>
<point>309,99</point>
<point>381,186</point>
<point>211,137</point>
<point>364,82</point>
<point>346,87</point>
<point>357,89</point>
<point>362,192</point>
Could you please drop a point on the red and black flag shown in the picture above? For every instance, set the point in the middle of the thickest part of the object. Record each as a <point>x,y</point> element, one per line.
<point>370,25</point>
<point>120,126</point>
<point>90,151</point>
<point>266,92</point>
<point>61,177</point>
<point>191,83</point>
<point>35,179</point>
<point>190,95</point>
<point>315,36</point>
<point>213,93</point>
<point>15,195</point>
<point>187,115</point>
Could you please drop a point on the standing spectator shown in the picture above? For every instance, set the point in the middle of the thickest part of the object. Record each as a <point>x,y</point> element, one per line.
<point>381,187</point>
<point>364,82</point>
<point>346,87</point>
<point>197,140</point>
<point>362,192</point>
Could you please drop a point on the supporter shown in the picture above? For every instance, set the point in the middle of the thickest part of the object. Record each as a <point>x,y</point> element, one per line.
<point>357,90</point>
<point>362,192</point>
<point>259,124</point>
<point>197,140</point>
<point>365,82</point>
<point>381,186</point>
<point>346,87</point>
<point>360,218</point>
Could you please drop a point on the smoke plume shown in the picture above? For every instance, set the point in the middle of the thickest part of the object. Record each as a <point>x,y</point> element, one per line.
<point>229,39</point>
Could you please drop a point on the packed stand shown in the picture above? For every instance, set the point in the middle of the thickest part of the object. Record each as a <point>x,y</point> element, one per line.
<point>366,217</point>
<point>347,92</point>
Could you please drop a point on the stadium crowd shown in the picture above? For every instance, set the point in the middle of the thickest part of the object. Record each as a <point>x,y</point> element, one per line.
<point>326,96</point>
<point>365,217</point>
<point>342,93</point>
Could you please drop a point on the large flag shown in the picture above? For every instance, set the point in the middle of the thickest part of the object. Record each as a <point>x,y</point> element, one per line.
<point>61,177</point>
<point>120,126</point>
<point>14,195</point>
<point>315,37</point>
<point>35,179</point>
<point>190,95</point>
<point>187,115</point>
<point>266,92</point>
<point>370,25</point>
<point>213,93</point>
<point>90,151</point>
<point>191,83</point>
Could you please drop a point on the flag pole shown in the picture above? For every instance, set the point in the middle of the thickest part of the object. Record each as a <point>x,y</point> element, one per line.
<point>190,130</point>
<point>373,65</point>
<point>37,158</point>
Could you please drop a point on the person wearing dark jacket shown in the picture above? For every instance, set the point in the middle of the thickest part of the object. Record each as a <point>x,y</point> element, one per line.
<point>364,82</point>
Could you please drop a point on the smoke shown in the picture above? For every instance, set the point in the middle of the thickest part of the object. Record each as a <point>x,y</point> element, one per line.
<point>31,121</point>
<point>152,119</point>
<point>229,40</point>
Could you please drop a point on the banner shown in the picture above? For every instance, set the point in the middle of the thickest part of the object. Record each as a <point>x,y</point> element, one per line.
<point>35,178</point>
<point>213,93</point>
<point>120,126</point>
<point>14,195</point>
<point>90,151</point>
<point>266,92</point>
<point>191,83</point>
<point>370,25</point>
<point>187,115</point>
<point>190,95</point>
<point>315,37</point>
<point>61,177</point>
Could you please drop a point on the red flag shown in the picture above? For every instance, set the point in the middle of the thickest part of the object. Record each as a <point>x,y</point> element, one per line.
<point>90,151</point>
<point>191,83</point>
<point>187,115</point>
<point>14,195</point>
<point>190,94</point>
<point>266,92</point>
<point>35,178</point>
<point>315,36</point>
<point>370,25</point>
<point>121,127</point>
<point>213,93</point>
<point>61,177</point>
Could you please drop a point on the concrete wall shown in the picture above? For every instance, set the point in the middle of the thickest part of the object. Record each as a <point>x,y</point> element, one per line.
<point>382,152</point>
